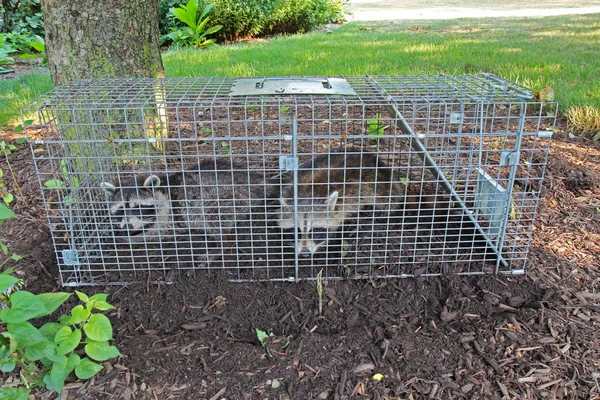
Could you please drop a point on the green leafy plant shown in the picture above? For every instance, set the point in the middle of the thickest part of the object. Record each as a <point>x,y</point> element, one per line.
<point>7,197</point>
<point>196,32</point>
<point>6,213</point>
<point>23,43</point>
<point>5,50</point>
<point>375,127</point>
<point>46,356</point>
<point>23,16</point>
<point>264,340</point>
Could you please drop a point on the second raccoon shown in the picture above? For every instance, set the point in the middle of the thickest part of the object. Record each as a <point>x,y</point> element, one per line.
<point>333,189</point>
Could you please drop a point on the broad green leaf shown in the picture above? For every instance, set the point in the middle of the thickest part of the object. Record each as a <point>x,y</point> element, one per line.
<point>27,334</point>
<point>99,297</point>
<point>16,257</point>
<point>67,339</point>
<point>20,393</point>
<point>54,184</point>
<point>38,46</point>
<point>9,342</point>
<point>8,198</point>
<point>64,320</point>
<point>82,296</point>
<point>6,212</point>
<point>101,351</point>
<point>18,128</point>
<point>42,349</point>
<point>206,10</point>
<point>73,362</point>
<point>6,282</point>
<point>213,29</point>
<point>21,140</point>
<point>55,380</point>
<point>49,330</point>
<point>53,300</point>
<point>7,367</point>
<point>102,305</point>
<point>79,314</point>
<point>24,306</point>
<point>87,368</point>
<point>98,328</point>
<point>61,368</point>
<point>187,13</point>
<point>28,122</point>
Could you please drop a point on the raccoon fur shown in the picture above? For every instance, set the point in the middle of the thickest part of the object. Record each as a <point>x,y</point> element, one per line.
<point>332,190</point>
<point>218,198</point>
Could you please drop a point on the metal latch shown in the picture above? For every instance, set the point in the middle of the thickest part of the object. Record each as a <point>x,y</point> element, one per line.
<point>70,257</point>
<point>288,163</point>
<point>509,157</point>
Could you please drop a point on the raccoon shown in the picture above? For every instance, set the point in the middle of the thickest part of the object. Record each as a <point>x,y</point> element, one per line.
<point>332,190</point>
<point>335,188</point>
<point>218,198</point>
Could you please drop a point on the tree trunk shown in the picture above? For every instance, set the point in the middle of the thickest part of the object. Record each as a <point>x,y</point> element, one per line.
<point>102,39</point>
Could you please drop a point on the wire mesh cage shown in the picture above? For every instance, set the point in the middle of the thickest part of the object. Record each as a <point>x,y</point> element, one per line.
<point>290,178</point>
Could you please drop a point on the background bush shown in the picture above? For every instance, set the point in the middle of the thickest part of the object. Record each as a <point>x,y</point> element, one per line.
<point>254,18</point>
<point>22,16</point>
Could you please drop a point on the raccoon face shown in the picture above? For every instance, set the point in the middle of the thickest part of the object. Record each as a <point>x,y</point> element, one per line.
<point>317,219</point>
<point>138,211</point>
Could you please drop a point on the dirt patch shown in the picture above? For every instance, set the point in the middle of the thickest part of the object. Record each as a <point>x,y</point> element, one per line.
<point>494,337</point>
<point>19,69</point>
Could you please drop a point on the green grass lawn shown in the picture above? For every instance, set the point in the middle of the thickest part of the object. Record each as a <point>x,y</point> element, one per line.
<point>561,52</point>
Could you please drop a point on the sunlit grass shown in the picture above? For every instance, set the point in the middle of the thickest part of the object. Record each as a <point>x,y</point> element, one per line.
<point>560,52</point>
<point>18,92</point>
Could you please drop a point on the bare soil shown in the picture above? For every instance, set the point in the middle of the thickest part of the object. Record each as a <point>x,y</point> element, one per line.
<point>494,337</point>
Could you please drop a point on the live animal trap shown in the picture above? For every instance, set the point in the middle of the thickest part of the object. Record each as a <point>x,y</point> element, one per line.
<point>282,178</point>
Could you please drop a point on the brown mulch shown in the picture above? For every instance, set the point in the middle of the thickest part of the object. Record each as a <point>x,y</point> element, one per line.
<point>491,337</point>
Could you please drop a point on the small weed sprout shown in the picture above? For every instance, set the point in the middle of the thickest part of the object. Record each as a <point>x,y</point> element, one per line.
<point>375,127</point>
<point>264,339</point>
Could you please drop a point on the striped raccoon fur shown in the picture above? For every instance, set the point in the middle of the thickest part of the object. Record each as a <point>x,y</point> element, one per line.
<point>332,190</point>
<point>218,198</point>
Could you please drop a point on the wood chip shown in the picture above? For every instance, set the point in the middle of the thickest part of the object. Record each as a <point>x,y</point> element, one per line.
<point>547,385</point>
<point>362,368</point>
<point>194,326</point>
<point>219,394</point>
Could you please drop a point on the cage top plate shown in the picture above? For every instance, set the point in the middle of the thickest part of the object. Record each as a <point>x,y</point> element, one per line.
<point>279,86</point>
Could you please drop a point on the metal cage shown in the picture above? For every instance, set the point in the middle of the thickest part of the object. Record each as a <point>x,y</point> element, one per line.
<point>290,178</point>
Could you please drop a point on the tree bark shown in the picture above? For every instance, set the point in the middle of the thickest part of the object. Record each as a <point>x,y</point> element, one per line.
<point>102,39</point>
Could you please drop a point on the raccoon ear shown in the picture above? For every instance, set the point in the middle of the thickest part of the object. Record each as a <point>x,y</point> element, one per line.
<point>152,181</point>
<point>332,201</point>
<point>284,201</point>
<point>108,188</point>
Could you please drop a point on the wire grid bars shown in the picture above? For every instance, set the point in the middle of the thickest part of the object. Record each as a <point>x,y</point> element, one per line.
<point>290,177</point>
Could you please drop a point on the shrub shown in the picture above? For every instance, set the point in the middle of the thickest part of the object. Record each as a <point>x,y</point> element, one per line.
<point>23,16</point>
<point>254,18</point>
